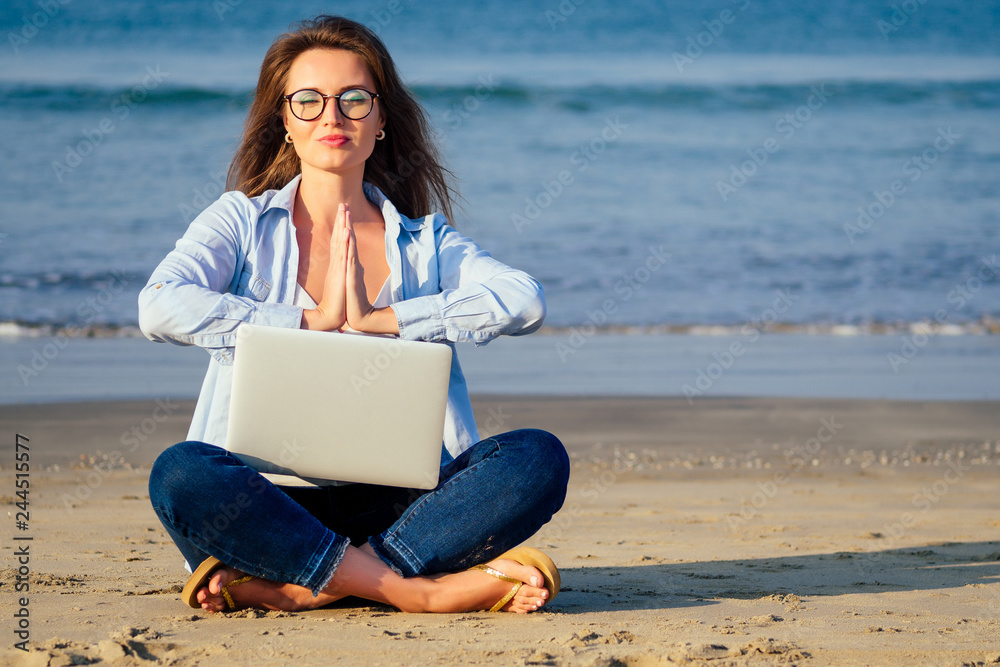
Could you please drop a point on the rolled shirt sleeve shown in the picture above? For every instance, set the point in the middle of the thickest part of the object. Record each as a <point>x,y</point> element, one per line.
<point>480,298</point>
<point>187,300</point>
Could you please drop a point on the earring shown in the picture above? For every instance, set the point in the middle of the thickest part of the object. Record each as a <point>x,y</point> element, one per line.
<point>288,138</point>
<point>380,135</point>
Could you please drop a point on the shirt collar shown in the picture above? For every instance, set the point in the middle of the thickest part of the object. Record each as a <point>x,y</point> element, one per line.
<point>285,197</point>
<point>393,218</point>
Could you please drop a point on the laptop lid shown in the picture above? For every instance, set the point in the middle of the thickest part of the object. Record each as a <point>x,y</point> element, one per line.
<point>324,405</point>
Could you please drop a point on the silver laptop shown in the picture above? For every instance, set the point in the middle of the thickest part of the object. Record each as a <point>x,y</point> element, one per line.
<point>322,406</point>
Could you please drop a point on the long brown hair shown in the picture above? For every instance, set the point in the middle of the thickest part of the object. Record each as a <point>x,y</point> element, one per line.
<point>405,165</point>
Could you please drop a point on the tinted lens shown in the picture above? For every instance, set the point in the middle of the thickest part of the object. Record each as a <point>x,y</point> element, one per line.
<point>355,104</point>
<point>307,104</point>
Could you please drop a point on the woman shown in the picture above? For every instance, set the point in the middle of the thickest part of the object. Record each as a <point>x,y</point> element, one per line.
<point>329,227</point>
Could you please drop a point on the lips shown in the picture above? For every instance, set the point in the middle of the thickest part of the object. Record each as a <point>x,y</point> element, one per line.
<point>334,140</point>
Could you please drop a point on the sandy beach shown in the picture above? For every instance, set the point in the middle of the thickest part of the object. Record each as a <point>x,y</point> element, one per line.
<point>768,329</point>
<point>729,532</point>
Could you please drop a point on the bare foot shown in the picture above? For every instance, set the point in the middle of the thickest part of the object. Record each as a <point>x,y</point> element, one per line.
<point>474,590</point>
<point>363,575</point>
<point>257,593</point>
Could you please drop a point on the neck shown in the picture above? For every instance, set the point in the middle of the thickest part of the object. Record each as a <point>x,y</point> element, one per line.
<point>322,192</point>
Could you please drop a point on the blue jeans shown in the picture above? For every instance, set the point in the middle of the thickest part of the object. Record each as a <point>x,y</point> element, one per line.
<point>491,498</point>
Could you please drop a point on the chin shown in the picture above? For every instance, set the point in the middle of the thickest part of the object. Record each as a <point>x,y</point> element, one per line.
<point>335,165</point>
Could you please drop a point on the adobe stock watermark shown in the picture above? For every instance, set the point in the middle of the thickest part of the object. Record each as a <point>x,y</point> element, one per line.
<point>581,159</point>
<point>130,440</point>
<point>925,500</point>
<point>589,493</point>
<point>228,513</point>
<point>562,12</point>
<point>957,298</point>
<point>88,309</point>
<point>381,18</point>
<point>901,14</point>
<point>495,420</point>
<point>31,25</point>
<point>626,287</point>
<point>785,127</point>
<point>409,164</point>
<point>454,117</point>
<point>913,169</point>
<point>707,377</point>
<point>141,432</point>
<point>928,498</point>
<point>204,195</point>
<point>376,364</point>
<point>799,456</point>
<point>121,107</point>
<point>460,112</point>
<point>697,43</point>
<point>223,7</point>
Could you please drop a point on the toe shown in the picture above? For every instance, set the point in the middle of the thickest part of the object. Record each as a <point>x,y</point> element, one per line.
<point>210,596</point>
<point>529,575</point>
<point>532,595</point>
<point>525,604</point>
<point>216,583</point>
<point>531,598</point>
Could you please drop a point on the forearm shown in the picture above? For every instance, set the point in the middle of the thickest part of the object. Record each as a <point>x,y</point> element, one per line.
<point>190,314</point>
<point>512,304</point>
<point>479,298</point>
<point>379,321</point>
<point>316,319</point>
<point>202,291</point>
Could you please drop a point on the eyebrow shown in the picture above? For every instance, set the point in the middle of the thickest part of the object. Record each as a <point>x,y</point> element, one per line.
<point>342,89</point>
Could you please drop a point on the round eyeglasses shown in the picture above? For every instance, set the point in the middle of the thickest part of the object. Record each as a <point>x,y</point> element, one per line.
<point>309,104</point>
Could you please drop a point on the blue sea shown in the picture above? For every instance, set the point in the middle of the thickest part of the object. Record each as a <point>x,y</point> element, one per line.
<point>815,167</point>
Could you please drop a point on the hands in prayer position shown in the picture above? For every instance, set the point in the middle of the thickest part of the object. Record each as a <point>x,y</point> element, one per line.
<point>345,300</point>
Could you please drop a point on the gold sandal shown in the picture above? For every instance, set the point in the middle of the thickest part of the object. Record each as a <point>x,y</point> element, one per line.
<point>525,556</point>
<point>199,579</point>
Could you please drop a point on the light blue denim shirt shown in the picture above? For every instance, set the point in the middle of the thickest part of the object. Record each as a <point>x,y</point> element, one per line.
<point>238,262</point>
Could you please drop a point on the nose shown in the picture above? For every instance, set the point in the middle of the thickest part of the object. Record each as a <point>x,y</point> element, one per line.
<point>332,113</point>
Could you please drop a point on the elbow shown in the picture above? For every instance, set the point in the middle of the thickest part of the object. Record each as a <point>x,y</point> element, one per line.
<point>152,318</point>
<point>531,314</point>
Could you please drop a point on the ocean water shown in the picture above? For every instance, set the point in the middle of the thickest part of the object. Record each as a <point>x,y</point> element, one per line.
<point>687,166</point>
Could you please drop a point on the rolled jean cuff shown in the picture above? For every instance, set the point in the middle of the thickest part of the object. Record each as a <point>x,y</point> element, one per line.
<point>402,561</point>
<point>328,558</point>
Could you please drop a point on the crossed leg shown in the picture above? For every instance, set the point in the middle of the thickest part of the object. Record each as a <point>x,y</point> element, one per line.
<point>499,493</point>
<point>362,574</point>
